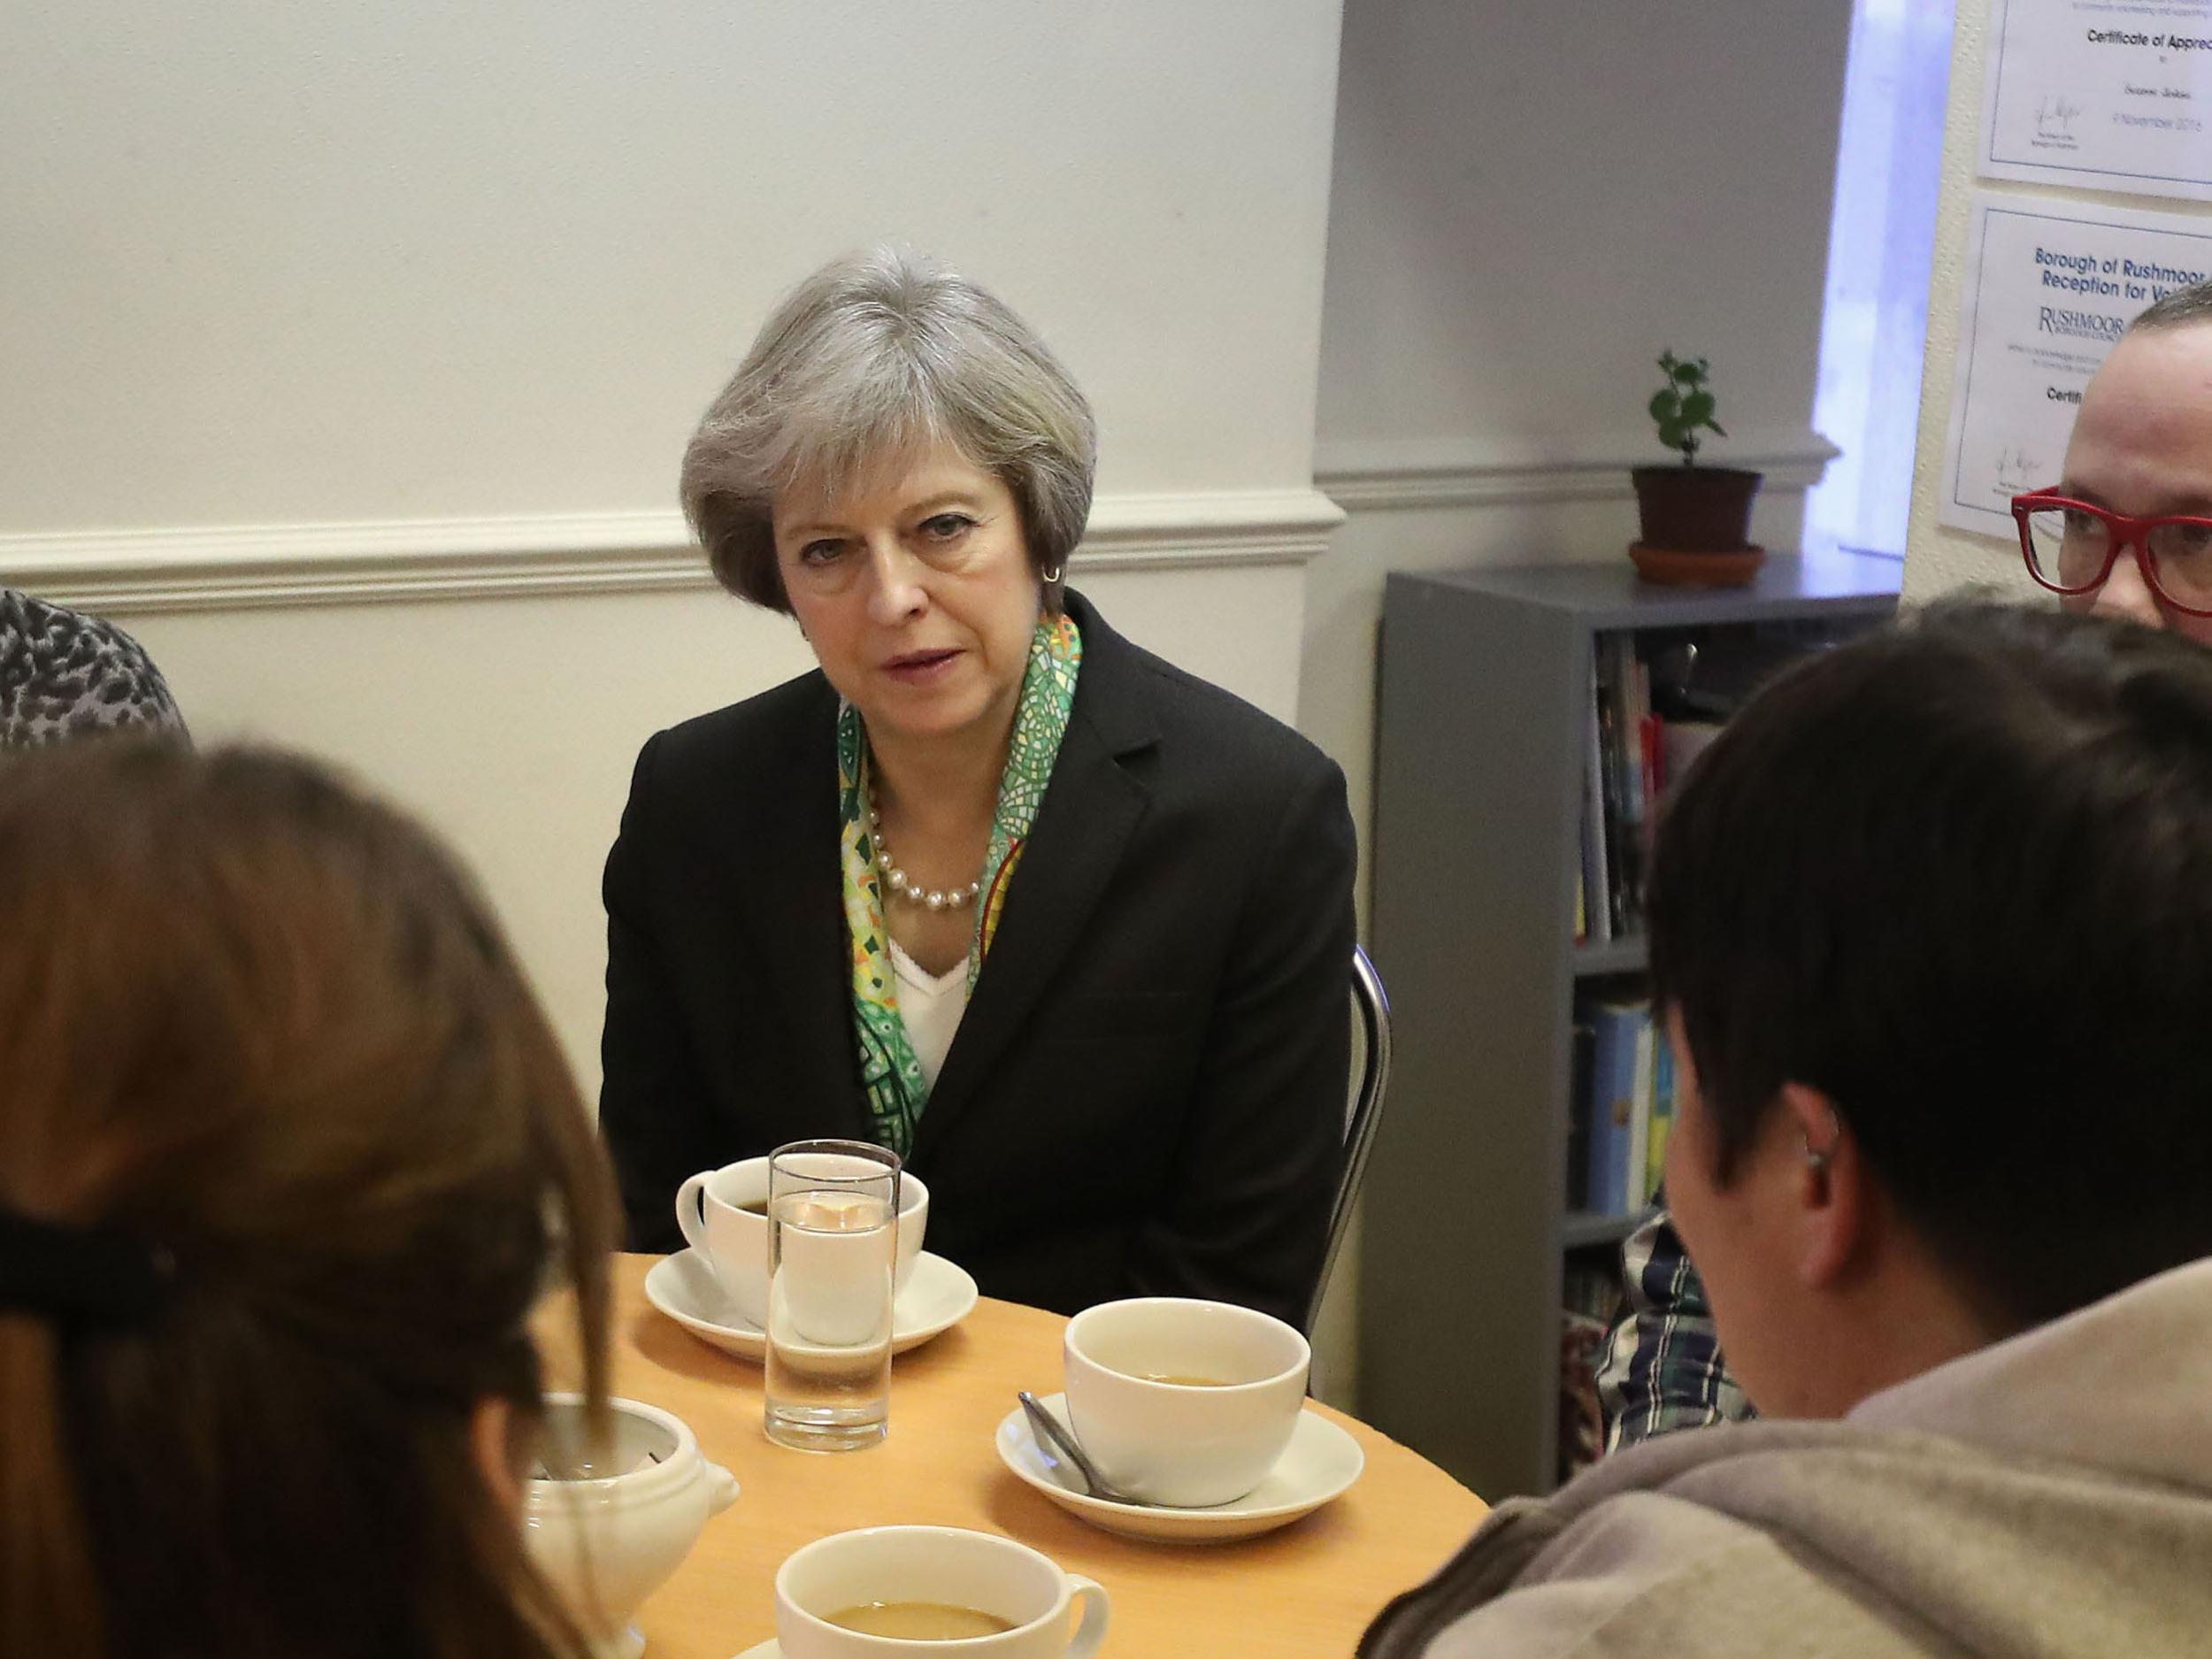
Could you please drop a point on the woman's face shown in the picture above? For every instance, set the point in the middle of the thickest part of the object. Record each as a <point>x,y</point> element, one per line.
<point>918,596</point>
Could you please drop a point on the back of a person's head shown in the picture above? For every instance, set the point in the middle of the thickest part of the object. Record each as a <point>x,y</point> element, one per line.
<point>1958,877</point>
<point>287,1153</point>
<point>65,676</point>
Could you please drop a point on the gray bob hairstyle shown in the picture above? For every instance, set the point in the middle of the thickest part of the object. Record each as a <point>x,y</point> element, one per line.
<point>872,358</point>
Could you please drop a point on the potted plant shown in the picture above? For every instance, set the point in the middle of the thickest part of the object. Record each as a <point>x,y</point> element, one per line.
<point>1695,521</point>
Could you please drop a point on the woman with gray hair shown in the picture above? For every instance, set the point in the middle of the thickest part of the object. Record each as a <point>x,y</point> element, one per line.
<point>1065,927</point>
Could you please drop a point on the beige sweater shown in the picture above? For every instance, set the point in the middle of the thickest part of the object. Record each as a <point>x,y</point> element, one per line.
<point>2049,1497</point>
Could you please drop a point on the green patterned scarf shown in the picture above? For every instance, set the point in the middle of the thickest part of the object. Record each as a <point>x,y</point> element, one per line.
<point>889,1072</point>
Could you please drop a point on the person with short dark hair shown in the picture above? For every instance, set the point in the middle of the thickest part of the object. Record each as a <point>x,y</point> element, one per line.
<point>64,674</point>
<point>2141,448</point>
<point>1931,933</point>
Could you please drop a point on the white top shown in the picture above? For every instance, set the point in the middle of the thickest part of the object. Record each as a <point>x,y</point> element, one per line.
<point>930,1007</point>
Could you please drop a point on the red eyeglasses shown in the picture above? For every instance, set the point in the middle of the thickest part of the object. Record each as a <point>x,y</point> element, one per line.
<point>2071,546</point>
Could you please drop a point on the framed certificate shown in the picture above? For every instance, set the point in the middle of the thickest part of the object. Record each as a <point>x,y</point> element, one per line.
<point>2049,287</point>
<point>2110,97</point>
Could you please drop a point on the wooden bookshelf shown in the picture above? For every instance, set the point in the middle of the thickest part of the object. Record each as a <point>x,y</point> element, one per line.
<point>1479,777</point>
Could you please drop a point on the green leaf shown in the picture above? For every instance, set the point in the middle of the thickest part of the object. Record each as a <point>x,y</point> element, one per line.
<point>1665,405</point>
<point>1697,408</point>
<point>1714,426</point>
<point>1674,434</point>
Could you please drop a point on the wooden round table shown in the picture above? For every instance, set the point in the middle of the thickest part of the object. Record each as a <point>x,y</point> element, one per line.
<point>1307,1588</point>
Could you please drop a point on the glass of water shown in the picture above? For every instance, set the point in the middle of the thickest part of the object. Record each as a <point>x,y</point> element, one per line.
<point>833,1247</point>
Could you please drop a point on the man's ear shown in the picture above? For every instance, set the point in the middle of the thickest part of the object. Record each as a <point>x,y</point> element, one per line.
<point>1830,1191</point>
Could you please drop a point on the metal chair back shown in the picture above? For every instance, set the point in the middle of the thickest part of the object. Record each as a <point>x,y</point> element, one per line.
<point>1370,1075</point>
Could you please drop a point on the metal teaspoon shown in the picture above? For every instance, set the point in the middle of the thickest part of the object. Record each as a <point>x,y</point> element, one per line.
<point>1045,1428</point>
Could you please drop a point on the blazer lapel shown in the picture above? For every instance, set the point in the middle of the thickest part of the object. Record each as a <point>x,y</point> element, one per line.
<point>783,868</point>
<point>1091,808</point>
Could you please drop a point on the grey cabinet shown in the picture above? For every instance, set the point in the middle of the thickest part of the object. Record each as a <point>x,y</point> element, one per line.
<point>1482,722</point>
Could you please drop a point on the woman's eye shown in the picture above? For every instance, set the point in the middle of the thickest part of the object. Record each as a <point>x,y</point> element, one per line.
<point>947,526</point>
<point>820,552</point>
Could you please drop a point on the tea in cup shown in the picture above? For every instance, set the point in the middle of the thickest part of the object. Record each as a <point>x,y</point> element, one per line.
<point>1182,1402</point>
<point>724,1216</point>
<point>937,1591</point>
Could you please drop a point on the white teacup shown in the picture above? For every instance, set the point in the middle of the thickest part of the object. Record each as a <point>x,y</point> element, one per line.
<point>734,1240</point>
<point>934,1567</point>
<point>1182,1402</point>
<point>608,1534</point>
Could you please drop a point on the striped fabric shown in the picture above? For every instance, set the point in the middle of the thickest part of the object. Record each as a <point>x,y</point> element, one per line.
<point>1663,1368</point>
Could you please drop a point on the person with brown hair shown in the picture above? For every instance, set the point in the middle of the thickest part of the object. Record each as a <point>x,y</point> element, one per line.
<point>287,1155</point>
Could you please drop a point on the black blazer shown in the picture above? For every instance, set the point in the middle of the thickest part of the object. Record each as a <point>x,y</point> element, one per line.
<point>1146,1096</point>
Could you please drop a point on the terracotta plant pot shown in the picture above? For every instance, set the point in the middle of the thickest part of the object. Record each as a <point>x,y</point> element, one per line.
<point>1694,509</point>
<point>1671,568</point>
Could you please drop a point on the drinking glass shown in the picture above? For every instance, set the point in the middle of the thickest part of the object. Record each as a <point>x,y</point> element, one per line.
<point>833,1248</point>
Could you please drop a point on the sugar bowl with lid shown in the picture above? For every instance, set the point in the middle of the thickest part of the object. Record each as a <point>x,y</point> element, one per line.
<point>607,1525</point>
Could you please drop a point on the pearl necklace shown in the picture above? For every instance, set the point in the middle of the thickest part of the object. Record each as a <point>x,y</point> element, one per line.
<point>904,887</point>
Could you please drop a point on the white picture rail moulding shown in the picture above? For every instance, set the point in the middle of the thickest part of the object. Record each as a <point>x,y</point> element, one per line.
<point>1384,474</point>
<point>254,565</point>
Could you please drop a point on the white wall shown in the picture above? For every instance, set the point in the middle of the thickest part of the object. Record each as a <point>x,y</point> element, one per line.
<point>350,349</point>
<point>303,262</point>
<point>1530,202</point>
<point>1938,559</point>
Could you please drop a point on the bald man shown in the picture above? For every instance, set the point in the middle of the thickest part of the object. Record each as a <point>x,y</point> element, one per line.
<point>2142,450</point>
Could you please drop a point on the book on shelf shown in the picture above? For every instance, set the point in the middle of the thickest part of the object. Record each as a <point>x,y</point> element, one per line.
<point>1632,1191</point>
<point>1657,697</point>
<point>1612,790</point>
<point>1596,883</point>
<point>1661,1116</point>
<point>1622,1107</point>
<point>1631,737</point>
<point>1611,1102</point>
<point>1623,770</point>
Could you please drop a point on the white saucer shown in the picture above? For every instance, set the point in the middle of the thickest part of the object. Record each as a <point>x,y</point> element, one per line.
<point>1321,1463</point>
<point>937,1297</point>
<point>770,1649</point>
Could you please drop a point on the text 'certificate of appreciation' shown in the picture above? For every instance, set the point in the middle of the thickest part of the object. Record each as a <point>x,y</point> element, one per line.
<point>2049,287</point>
<point>2116,95</point>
